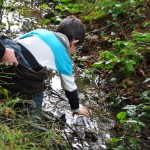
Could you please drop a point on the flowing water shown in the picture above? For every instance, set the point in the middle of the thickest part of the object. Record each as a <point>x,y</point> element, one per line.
<point>91,133</point>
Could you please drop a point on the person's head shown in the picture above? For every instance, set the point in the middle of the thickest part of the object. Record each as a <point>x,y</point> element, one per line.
<point>74,29</point>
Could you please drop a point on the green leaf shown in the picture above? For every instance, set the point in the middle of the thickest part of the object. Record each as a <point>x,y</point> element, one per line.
<point>142,106</point>
<point>109,66</point>
<point>147,24</point>
<point>98,65</point>
<point>64,1</point>
<point>122,121</point>
<point>108,62</point>
<point>115,59</point>
<point>107,54</point>
<point>133,61</point>
<point>120,148</point>
<point>133,140</point>
<point>129,107</point>
<point>146,95</point>
<point>131,112</point>
<point>136,122</point>
<point>141,36</point>
<point>47,21</point>
<point>111,103</point>
<point>114,140</point>
<point>137,128</point>
<point>142,124</point>
<point>129,65</point>
<point>121,115</point>
<point>102,34</point>
<point>147,80</point>
<point>44,6</point>
<point>144,115</point>
<point>117,102</point>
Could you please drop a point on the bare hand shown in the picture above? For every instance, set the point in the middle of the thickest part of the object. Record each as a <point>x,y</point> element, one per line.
<point>83,111</point>
<point>9,58</point>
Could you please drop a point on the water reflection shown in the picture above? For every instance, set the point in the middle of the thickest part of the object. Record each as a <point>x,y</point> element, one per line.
<point>92,132</point>
<point>21,16</point>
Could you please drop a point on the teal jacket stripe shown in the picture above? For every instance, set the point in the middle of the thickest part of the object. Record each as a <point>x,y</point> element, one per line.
<point>62,59</point>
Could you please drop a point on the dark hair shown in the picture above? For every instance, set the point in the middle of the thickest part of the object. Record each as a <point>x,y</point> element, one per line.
<point>73,28</point>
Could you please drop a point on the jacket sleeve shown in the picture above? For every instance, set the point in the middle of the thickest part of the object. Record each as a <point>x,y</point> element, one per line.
<point>73,100</point>
<point>2,50</point>
<point>68,84</point>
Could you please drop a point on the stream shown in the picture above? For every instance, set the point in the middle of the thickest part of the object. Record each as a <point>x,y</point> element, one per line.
<point>91,132</point>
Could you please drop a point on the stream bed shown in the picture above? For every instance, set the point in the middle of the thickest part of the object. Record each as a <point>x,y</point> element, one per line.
<point>91,133</point>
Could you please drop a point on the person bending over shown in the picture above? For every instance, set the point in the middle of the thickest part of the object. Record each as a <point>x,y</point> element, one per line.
<point>31,57</point>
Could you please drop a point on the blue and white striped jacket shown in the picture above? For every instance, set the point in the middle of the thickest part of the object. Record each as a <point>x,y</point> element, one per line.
<point>50,52</point>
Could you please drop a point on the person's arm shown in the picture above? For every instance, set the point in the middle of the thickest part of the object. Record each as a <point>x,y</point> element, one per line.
<point>8,56</point>
<point>71,93</point>
<point>74,103</point>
